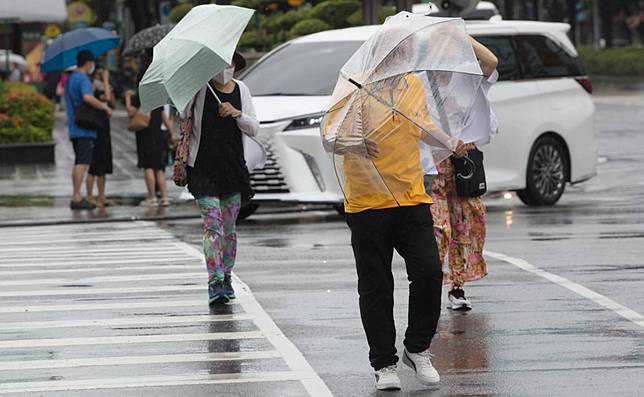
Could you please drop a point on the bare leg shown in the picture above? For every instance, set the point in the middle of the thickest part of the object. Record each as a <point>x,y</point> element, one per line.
<point>78,173</point>
<point>100,183</point>
<point>89,186</point>
<point>150,183</point>
<point>160,179</point>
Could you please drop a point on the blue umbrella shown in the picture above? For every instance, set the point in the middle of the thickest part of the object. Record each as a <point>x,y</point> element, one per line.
<point>61,54</point>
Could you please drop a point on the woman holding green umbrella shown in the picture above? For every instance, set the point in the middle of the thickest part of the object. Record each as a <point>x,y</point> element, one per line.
<point>218,123</point>
<point>221,114</point>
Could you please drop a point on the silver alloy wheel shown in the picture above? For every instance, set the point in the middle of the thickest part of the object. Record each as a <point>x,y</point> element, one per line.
<point>548,171</point>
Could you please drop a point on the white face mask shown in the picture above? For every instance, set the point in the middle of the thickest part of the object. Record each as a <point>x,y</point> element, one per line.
<point>225,75</point>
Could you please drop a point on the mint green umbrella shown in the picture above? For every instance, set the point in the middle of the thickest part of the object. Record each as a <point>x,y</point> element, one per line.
<point>201,45</point>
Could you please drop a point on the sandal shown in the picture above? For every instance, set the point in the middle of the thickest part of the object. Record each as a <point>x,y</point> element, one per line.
<point>149,203</point>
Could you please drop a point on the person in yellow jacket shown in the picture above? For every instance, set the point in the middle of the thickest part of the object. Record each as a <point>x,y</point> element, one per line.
<point>387,209</point>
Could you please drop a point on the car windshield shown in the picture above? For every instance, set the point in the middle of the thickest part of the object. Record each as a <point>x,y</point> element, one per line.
<point>306,69</point>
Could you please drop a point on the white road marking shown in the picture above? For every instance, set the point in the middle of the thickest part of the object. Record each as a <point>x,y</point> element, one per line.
<point>103,306</point>
<point>89,263</point>
<point>75,291</point>
<point>115,247</point>
<point>101,269</point>
<point>44,238</point>
<point>146,381</point>
<point>105,279</point>
<point>137,360</point>
<point>39,243</point>
<point>312,382</point>
<point>579,289</point>
<point>114,322</point>
<point>62,249</point>
<point>127,339</point>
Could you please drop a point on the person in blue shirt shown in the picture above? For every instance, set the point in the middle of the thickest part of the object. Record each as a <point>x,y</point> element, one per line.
<point>78,90</point>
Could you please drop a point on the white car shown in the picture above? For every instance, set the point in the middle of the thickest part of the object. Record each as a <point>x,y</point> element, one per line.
<point>542,101</point>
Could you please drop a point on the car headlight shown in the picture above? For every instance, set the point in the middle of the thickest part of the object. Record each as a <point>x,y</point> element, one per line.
<point>308,121</point>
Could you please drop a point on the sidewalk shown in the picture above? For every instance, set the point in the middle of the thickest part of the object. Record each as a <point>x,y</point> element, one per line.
<point>53,180</point>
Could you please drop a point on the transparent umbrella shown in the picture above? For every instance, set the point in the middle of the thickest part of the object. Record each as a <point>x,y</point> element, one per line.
<point>407,93</point>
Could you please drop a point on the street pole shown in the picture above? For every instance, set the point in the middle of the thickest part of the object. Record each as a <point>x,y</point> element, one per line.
<point>597,30</point>
<point>371,12</point>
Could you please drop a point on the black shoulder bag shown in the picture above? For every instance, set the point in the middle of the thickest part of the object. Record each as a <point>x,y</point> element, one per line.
<point>88,117</point>
<point>470,174</point>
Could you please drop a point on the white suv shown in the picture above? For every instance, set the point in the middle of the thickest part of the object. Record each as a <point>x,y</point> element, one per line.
<point>542,100</point>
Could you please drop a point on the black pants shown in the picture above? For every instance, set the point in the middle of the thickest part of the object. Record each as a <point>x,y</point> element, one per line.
<point>374,236</point>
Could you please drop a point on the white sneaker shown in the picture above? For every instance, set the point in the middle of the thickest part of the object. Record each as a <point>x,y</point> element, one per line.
<point>458,300</point>
<point>422,364</point>
<point>387,378</point>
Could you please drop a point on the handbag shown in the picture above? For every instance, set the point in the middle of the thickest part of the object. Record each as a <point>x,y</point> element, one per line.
<point>88,117</point>
<point>469,174</point>
<point>139,121</point>
<point>182,152</point>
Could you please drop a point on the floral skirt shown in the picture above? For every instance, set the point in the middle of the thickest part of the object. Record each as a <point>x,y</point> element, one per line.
<point>459,227</point>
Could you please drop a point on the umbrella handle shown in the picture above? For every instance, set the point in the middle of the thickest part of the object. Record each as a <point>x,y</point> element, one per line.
<point>213,93</point>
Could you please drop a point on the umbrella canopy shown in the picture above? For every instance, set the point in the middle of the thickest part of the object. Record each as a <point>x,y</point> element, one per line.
<point>400,104</point>
<point>13,58</point>
<point>61,54</point>
<point>147,38</point>
<point>201,45</point>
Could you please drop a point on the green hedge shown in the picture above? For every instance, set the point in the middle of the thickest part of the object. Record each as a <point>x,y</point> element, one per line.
<point>627,61</point>
<point>308,26</point>
<point>335,12</point>
<point>25,116</point>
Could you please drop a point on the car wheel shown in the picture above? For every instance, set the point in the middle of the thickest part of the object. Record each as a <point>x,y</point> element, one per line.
<point>547,173</point>
<point>247,210</point>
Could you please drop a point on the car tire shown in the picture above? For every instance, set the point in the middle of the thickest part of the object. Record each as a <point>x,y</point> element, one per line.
<point>247,210</point>
<point>547,173</point>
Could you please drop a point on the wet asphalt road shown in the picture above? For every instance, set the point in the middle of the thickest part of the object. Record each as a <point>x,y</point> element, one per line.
<point>527,335</point>
<point>104,305</point>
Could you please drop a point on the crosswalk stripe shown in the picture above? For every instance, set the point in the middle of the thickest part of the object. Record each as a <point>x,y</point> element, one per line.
<point>111,322</point>
<point>76,291</point>
<point>75,250</point>
<point>104,279</point>
<point>116,237</point>
<point>91,262</point>
<point>137,360</point>
<point>103,306</point>
<point>72,236</point>
<point>147,381</point>
<point>126,339</point>
<point>101,269</point>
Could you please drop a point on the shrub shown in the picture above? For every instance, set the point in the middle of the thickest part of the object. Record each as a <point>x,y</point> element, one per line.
<point>628,61</point>
<point>25,116</point>
<point>180,11</point>
<point>386,11</point>
<point>308,26</point>
<point>32,108</point>
<point>255,40</point>
<point>355,19</point>
<point>287,20</point>
<point>335,12</point>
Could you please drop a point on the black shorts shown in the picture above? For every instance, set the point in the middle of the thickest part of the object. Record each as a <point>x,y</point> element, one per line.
<point>84,150</point>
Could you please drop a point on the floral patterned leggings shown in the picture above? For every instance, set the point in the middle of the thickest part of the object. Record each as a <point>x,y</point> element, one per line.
<point>219,215</point>
<point>459,228</point>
